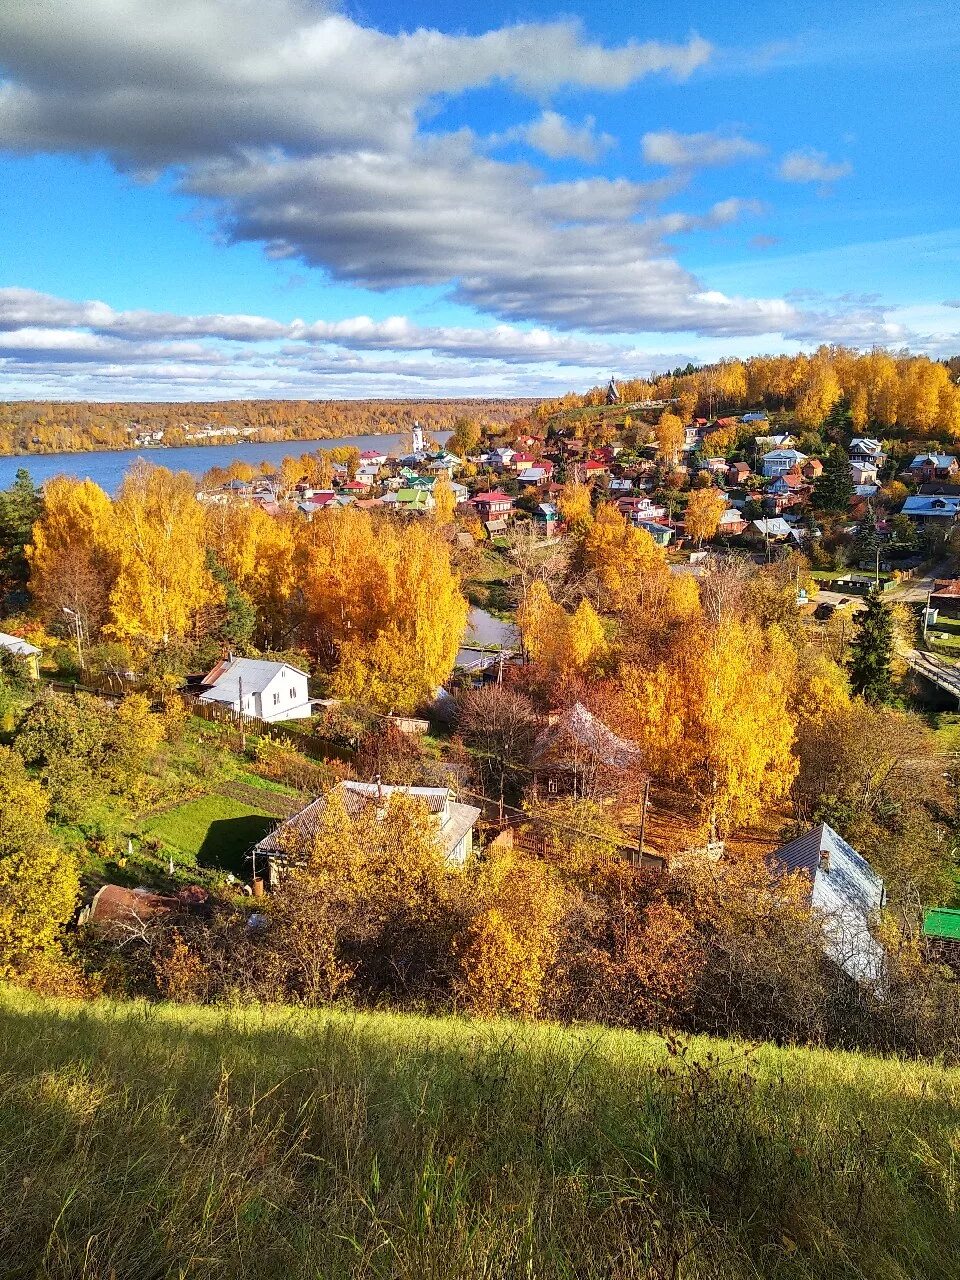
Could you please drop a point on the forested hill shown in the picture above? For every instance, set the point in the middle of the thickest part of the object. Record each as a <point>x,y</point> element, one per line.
<point>44,426</point>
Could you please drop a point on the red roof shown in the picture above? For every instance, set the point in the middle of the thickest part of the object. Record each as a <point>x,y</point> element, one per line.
<point>594,466</point>
<point>493,496</point>
<point>523,458</point>
<point>355,484</point>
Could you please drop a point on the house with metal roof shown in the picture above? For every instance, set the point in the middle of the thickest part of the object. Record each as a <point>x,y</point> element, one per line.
<point>290,840</point>
<point>578,753</point>
<point>20,648</point>
<point>847,894</point>
<point>779,461</point>
<point>926,508</point>
<point>934,466</point>
<point>270,691</point>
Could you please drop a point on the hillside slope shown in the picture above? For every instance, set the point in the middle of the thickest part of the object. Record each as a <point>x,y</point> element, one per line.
<point>146,1142</point>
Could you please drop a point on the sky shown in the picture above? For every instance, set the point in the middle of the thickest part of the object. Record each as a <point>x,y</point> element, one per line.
<point>213,199</point>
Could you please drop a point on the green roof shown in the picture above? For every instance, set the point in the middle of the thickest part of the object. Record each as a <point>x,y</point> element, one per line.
<point>942,922</point>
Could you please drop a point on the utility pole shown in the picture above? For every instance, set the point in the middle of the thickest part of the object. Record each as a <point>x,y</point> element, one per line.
<point>243,723</point>
<point>643,817</point>
<point>77,628</point>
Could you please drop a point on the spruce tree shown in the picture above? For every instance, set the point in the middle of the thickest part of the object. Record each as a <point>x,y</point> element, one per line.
<point>871,651</point>
<point>834,487</point>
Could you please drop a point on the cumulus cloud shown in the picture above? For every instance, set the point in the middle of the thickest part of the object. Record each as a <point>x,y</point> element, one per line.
<point>557,137</point>
<point>812,166</point>
<point>301,129</point>
<point>155,84</point>
<point>30,320</point>
<point>696,150</point>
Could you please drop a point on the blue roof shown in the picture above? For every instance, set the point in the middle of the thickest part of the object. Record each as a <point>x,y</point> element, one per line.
<point>928,504</point>
<point>941,460</point>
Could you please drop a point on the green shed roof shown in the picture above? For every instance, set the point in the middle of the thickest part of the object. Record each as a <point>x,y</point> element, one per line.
<point>942,922</point>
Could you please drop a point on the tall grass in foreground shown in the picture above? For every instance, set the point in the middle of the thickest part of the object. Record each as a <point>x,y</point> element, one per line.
<point>138,1141</point>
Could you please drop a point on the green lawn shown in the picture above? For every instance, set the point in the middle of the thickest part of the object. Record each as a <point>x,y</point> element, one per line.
<point>140,1141</point>
<point>214,832</point>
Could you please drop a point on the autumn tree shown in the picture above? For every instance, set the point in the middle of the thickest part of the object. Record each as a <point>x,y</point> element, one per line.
<point>500,725</point>
<point>444,500</point>
<point>574,505</point>
<point>563,645</point>
<point>74,556</point>
<point>162,575</point>
<point>704,509</point>
<point>510,945</point>
<point>712,715</point>
<point>619,556</point>
<point>671,436</point>
<point>38,878</point>
<point>382,902</point>
<point>382,607</point>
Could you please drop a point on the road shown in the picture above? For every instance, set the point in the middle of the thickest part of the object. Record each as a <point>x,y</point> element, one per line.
<point>916,590</point>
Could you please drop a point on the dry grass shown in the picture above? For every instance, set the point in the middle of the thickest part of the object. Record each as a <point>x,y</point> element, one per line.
<point>147,1142</point>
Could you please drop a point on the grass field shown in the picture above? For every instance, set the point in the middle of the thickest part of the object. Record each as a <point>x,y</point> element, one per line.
<point>151,1142</point>
<point>214,832</point>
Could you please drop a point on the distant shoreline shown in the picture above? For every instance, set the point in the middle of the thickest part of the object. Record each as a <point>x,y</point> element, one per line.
<point>214,443</point>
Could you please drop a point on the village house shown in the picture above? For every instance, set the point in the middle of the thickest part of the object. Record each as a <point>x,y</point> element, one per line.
<point>738,473</point>
<point>494,509</point>
<point>373,458</point>
<point>731,523</point>
<point>945,597</point>
<point>812,469</point>
<point>28,653</point>
<point>773,530</point>
<point>662,534</point>
<point>779,461</point>
<point>845,891</point>
<point>863,473</point>
<point>933,466</point>
<point>636,509</point>
<point>453,822</point>
<point>547,519</point>
<point>924,509</point>
<point>865,449</point>
<point>270,691</point>
<point>578,754</point>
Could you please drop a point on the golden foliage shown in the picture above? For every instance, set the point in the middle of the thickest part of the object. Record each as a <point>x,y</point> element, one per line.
<point>511,943</point>
<point>704,509</point>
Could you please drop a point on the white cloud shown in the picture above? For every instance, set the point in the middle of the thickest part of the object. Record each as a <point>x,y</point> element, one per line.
<point>33,321</point>
<point>812,166</point>
<point>156,84</point>
<point>555,136</point>
<point>697,150</point>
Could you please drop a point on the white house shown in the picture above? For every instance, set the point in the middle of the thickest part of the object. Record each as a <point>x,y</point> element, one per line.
<point>846,891</point>
<point>779,461</point>
<point>21,648</point>
<point>270,691</point>
<point>866,449</point>
<point>454,822</point>
<point>863,472</point>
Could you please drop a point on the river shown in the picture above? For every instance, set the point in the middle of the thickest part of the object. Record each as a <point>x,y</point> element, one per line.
<point>107,468</point>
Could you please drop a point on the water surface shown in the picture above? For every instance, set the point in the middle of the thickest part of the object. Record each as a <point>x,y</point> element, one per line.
<point>107,468</point>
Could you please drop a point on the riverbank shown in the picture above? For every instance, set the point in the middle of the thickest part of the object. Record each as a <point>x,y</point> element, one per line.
<point>108,467</point>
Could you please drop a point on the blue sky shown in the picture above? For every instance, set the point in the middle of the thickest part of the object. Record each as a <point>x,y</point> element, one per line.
<point>221,198</point>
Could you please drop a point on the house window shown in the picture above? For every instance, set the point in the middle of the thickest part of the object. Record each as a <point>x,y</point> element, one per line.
<point>276,698</point>
<point>293,694</point>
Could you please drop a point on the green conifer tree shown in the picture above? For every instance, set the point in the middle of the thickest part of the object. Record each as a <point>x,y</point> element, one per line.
<point>871,651</point>
<point>834,488</point>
